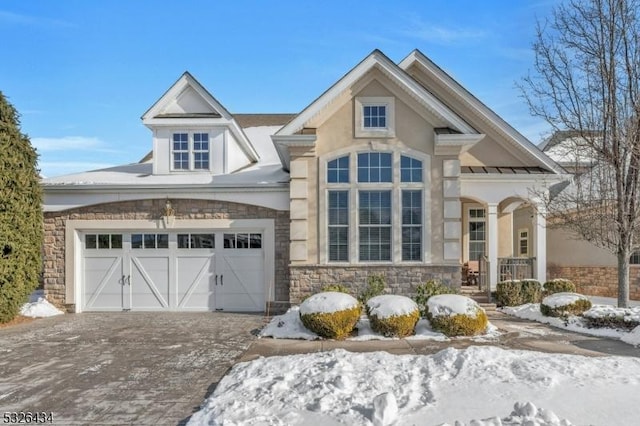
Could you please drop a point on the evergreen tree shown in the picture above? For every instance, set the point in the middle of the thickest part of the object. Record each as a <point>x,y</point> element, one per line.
<point>21,222</point>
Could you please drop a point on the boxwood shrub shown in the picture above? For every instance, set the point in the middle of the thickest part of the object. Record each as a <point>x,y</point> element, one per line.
<point>579,305</point>
<point>403,321</point>
<point>558,285</point>
<point>428,289</point>
<point>331,325</point>
<point>460,324</point>
<point>518,292</point>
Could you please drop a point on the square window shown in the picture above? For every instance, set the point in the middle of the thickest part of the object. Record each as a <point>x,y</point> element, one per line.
<point>116,241</point>
<point>163,241</point>
<point>103,241</point>
<point>374,116</point>
<point>229,240</point>
<point>149,241</point>
<point>136,241</point>
<point>90,241</point>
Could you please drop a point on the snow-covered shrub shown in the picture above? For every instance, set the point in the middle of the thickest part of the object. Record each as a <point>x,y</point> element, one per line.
<point>332,314</point>
<point>518,292</point>
<point>392,315</point>
<point>340,288</point>
<point>564,304</point>
<point>558,285</point>
<point>604,316</point>
<point>375,287</point>
<point>428,289</point>
<point>456,315</point>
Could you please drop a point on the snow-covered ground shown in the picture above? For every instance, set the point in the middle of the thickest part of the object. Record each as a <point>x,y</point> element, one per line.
<point>531,311</point>
<point>476,386</point>
<point>38,306</point>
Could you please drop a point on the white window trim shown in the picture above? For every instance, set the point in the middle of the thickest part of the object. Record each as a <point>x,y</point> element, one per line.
<point>396,188</point>
<point>520,239</point>
<point>383,132</point>
<point>191,151</point>
<point>466,233</point>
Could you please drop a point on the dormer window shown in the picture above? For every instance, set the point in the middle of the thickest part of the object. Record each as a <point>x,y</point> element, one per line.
<point>191,151</point>
<point>374,117</point>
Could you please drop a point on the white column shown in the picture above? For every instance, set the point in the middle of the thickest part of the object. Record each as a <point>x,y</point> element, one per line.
<point>492,235</point>
<point>540,241</point>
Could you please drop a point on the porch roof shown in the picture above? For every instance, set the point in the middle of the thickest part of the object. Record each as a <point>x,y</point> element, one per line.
<point>515,170</point>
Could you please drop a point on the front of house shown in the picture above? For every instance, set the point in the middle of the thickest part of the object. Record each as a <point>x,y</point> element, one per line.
<point>395,170</point>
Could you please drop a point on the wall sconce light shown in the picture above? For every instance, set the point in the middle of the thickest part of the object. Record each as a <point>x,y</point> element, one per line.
<point>169,214</point>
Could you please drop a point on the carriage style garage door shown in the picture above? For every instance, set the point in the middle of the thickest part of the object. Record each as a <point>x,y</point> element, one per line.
<point>174,271</point>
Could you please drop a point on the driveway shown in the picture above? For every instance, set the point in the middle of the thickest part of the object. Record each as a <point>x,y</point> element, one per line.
<point>119,368</point>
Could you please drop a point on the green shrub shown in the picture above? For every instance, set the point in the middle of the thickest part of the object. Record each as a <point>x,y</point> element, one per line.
<point>577,307</point>
<point>340,288</point>
<point>558,285</point>
<point>21,227</point>
<point>515,293</point>
<point>399,322</point>
<point>333,325</point>
<point>616,322</point>
<point>460,324</point>
<point>375,287</point>
<point>428,289</point>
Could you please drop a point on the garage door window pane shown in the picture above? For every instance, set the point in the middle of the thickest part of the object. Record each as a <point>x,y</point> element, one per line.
<point>163,241</point>
<point>103,241</point>
<point>90,241</point>
<point>136,241</point>
<point>242,240</point>
<point>205,241</point>
<point>183,241</point>
<point>229,240</point>
<point>149,241</point>
<point>116,241</point>
<point>256,241</point>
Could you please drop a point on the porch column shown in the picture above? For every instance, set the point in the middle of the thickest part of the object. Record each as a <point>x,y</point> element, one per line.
<point>492,236</point>
<point>540,241</point>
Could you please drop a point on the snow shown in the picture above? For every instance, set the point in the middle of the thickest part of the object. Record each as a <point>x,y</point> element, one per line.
<point>562,299</point>
<point>39,307</point>
<point>328,302</point>
<point>288,326</point>
<point>531,311</point>
<point>388,305</point>
<point>608,311</point>
<point>452,304</point>
<point>480,385</point>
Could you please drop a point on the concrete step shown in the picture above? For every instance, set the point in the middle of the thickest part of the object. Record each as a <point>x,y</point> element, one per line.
<point>488,306</point>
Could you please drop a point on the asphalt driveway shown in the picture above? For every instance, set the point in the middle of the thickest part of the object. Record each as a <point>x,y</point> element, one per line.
<point>119,368</point>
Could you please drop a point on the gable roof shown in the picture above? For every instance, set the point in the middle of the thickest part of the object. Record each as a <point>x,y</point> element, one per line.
<point>484,112</point>
<point>207,110</point>
<point>379,60</point>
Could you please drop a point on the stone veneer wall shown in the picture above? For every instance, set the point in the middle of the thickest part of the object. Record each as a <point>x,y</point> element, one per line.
<point>597,280</point>
<point>54,231</point>
<point>309,279</point>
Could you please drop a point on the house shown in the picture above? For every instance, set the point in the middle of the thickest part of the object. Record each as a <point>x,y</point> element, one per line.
<point>592,269</point>
<point>396,169</point>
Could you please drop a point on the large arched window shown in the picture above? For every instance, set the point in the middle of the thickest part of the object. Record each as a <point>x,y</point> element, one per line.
<point>375,207</point>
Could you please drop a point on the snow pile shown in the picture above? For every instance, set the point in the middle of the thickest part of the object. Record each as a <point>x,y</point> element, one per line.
<point>608,311</point>
<point>563,299</point>
<point>288,326</point>
<point>389,305</point>
<point>328,302</point>
<point>531,311</point>
<point>340,387</point>
<point>38,306</point>
<point>452,304</point>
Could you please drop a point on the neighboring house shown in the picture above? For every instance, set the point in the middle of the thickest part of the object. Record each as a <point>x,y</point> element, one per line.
<point>396,170</point>
<point>594,270</point>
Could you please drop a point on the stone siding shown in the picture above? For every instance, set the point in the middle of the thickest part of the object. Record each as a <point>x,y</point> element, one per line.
<point>55,222</point>
<point>309,279</point>
<point>597,280</point>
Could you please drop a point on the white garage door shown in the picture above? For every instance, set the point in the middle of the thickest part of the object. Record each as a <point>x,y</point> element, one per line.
<point>178,271</point>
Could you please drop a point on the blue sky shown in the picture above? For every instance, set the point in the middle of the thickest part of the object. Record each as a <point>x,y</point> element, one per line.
<point>81,73</point>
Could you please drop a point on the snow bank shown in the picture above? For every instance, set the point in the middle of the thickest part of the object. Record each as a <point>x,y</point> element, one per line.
<point>633,337</point>
<point>39,307</point>
<point>452,304</point>
<point>288,326</point>
<point>327,302</point>
<point>389,305</point>
<point>531,311</point>
<point>608,311</point>
<point>340,387</point>
<point>563,299</point>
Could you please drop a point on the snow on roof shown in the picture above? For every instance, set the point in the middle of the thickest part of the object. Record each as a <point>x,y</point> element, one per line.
<point>267,171</point>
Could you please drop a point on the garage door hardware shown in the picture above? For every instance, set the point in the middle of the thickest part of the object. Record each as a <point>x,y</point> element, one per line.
<point>221,279</point>
<point>126,280</point>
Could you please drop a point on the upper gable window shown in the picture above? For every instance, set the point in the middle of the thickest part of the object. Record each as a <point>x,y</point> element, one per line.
<point>191,151</point>
<point>374,167</point>
<point>374,117</point>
